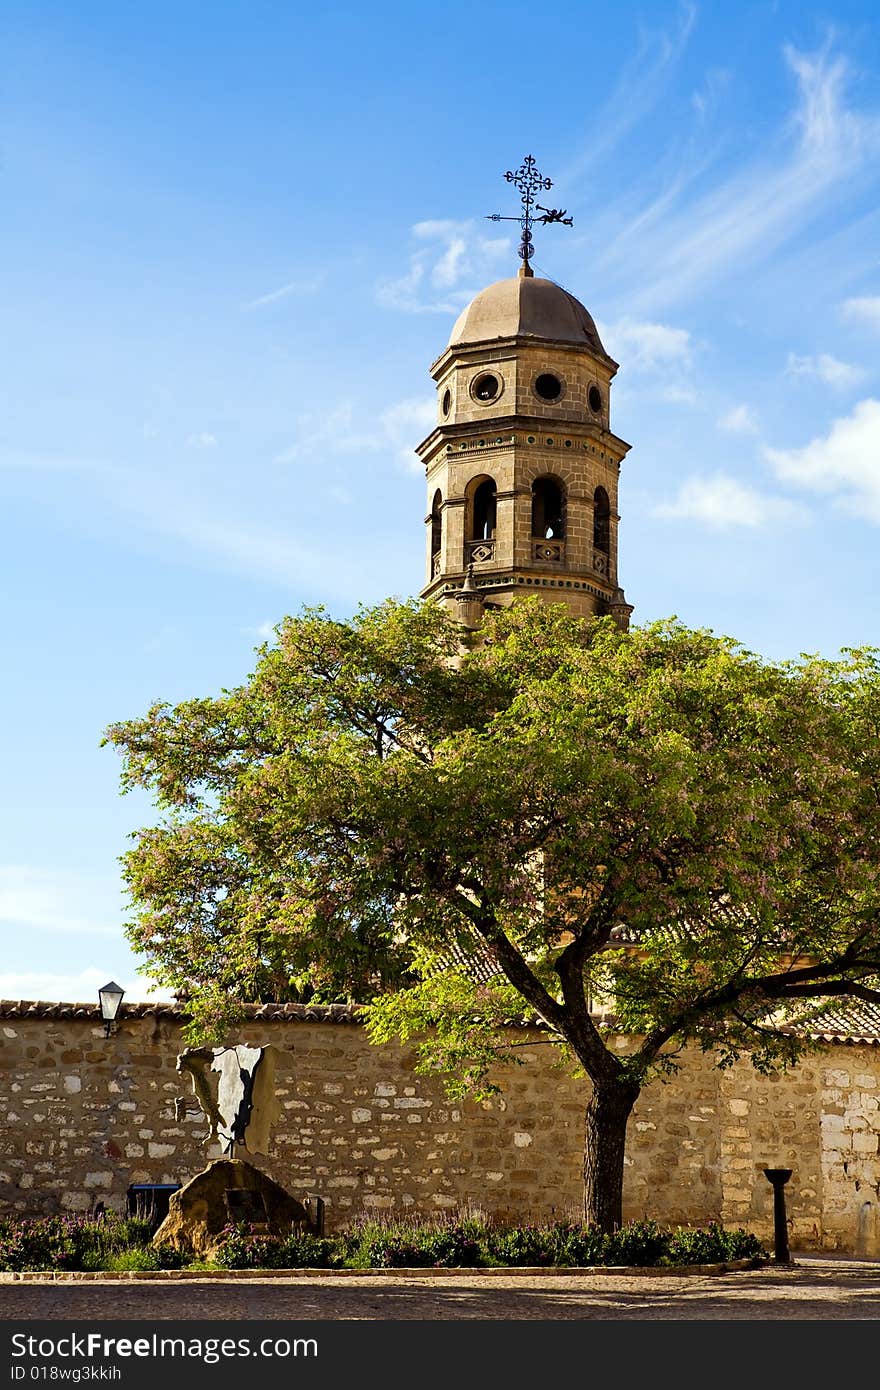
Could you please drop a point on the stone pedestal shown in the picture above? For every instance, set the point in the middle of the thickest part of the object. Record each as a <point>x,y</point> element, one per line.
<point>228,1190</point>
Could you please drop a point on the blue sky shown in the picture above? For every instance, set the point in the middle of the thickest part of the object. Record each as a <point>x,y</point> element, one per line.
<point>234,238</point>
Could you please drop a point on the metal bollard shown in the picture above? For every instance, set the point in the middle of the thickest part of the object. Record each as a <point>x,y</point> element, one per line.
<point>315,1208</point>
<point>778,1177</point>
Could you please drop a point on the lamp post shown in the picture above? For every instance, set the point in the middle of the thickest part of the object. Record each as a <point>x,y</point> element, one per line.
<point>110,998</point>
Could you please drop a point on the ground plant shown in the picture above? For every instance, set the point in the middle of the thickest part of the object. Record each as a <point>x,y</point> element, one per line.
<point>117,1245</point>
<point>108,1242</point>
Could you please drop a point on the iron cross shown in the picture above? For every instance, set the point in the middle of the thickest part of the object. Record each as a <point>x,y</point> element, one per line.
<point>530,182</point>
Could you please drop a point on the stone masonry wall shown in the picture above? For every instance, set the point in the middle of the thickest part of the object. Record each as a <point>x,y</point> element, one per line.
<point>83,1116</point>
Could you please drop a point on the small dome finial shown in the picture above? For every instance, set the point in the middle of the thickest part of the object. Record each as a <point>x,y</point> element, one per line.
<point>469,587</point>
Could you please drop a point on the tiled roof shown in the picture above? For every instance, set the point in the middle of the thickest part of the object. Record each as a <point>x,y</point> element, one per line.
<point>847,1020</point>
<point>855,1021</point>
<point>276,1013</point>
<point>306,1013</point>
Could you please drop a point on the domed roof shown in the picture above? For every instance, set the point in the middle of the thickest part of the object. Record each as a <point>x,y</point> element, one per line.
<point>526,306</point>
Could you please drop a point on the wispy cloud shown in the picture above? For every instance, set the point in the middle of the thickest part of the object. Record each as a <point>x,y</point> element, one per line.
<point>282,556</point>
<point>307,285</point>
<point>639,87</point>
<point>707,97</point>
<point>824,367</point>
<point>202,440</point>
<point>749,214</point>
<point>400,427</point>
<point>677,393</point>
<point>864,310</point>
<point>405,424</point>
<point>448,257</point>
<point>739,420</point>
<point>334,431</point>
<point>722,503</point>
<point>845,462</point>
<point>646,346</point>
<point>55,900</point>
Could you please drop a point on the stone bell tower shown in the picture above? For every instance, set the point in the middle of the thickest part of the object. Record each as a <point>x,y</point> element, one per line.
<point>523,466</point>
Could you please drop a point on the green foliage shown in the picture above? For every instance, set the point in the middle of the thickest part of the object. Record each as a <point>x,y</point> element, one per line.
<point>396,1243</point>
<point>240,1246</point>
<point>140,1257</point>
<point>712,1244</point>
<point>472,1241</point>
<point>553,1244</point>
<point>367,814</point>
<point>76,1242</point>
<point>38,1243</point>
<point>454,1025</point>
<point>579,1244</point>
<point>116,1245</point>
<point>559,815</point>
<point>464,1242</point>
<point>639,1243</point>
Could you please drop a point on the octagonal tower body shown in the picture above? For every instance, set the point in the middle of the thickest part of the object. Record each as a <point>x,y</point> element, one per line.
<point>522,466</point>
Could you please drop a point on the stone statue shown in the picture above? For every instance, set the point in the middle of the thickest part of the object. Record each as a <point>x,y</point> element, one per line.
<point>235,1087</point>
<point>240,1104</point>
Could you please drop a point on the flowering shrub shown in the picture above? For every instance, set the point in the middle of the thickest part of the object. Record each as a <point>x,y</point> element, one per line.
<point>240,1246</point>
<point>116,1243</point>
<point>78,1242</point>
<point>522,1245</point>
<point>638,1243</point>
<point>568,1243</point>
<point>39,1243</point>
<point>393,1244</point>
<point>710,1244</point>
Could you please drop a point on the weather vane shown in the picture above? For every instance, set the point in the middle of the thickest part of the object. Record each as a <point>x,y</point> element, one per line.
<point>529,182</point>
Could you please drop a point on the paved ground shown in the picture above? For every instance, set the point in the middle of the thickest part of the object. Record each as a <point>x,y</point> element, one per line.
<point>818,1289</point>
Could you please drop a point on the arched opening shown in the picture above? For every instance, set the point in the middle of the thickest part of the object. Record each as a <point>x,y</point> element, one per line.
<point>601,521</point>
<point>548,509</point>
<point>436,525</point>
<point>483,511</point>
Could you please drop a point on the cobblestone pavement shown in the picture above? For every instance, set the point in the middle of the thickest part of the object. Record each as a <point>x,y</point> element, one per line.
<point>820,1289</point>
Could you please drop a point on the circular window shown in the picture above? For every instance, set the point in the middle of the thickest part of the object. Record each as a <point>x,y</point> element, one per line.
<point>486,387</point>
<point>594,396</point>
<point>446,402</point>
<point>548,387</point>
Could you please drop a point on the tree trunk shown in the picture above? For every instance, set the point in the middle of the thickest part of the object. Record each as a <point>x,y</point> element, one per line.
<point>607,1114</point>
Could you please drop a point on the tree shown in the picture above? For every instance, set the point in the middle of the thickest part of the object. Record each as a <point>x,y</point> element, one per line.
<point>557,815</point>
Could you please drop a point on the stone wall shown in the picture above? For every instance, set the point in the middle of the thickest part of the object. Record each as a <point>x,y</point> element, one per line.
<point>86,1115</point>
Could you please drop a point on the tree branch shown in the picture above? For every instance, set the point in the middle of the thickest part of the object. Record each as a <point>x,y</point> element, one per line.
<point>808,982</point>
<point>512,963</point>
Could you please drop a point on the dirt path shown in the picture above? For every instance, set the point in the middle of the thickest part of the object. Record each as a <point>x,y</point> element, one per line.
<point>818,1289</point>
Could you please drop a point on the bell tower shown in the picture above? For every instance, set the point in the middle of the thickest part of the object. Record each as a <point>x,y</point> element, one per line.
<point>523,466</point>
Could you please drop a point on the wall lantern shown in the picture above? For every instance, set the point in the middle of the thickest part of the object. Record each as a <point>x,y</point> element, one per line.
<point>110,997</point>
